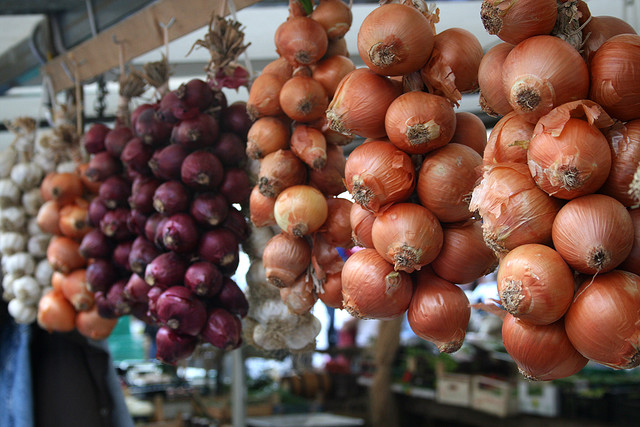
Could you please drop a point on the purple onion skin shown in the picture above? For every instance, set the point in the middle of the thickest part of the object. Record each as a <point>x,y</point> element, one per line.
<point>158,238</point>
<point>165,107</point>
<point>209,209</point>
<point>235,185</point>
<point>142,253</point>
<point>237,223</point>
<point>202,170</point>
<point>136,222</point>
<point>219,102</point>
<point>105,308</point>
<point>204,279</point>
<point>179,309</point>
<point>139,110</point>
<point>117,139</point>
<point>95,245</point>
<point>180,233</point>
<point>114,224</point>
<point>235,119</point>
<point>137,290</point>
<point>142,192</point>
<point>101,166</point>
<point>222,329</point>
<point>118,300</point>
<point>230,149</point>
<point>219,246</point>
<point>153,295</point>
<point>121,255</point>
<point>100,275</point>
<point>232,298</point>
<point>172,105</point>
<point>136,156</point>
<point>151,130</point>
<point>230,269</point>
<point>199,132</point>
<point>173,347</point>
<point>151,226</point>
<point>140,310</point>
<point>171,198</point>
<point>115,191</point>
<point>165,163</point>
<point>97,209</point>
<point>195,93</point>
<point>166,270</point>
<point>93,139</point>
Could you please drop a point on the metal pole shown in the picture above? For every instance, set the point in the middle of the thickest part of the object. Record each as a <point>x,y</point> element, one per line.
<point>238,390</point>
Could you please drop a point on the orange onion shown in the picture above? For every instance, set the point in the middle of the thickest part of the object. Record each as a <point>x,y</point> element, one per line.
<point>598,30</point>
<point>330,179</point>
<point>452,68</point>
<point>515,21</point>
<point>285,258</point>
<point>63,254</point>
<point>337,227</point>
<point>280,67</point>
<point>74,221</point>
<point>55,313</point>
<point>302,98</point>
<point>536,82</point>
<point>63,187</point>
<point>395,39</point>
<point>335,17</point>
<point>419,122</point>
<point>377,173</point>
<point>625,163</point>
<point>337,47</point>
<point>90,324</point>
<point>464,257</point>
<point>439,311</point>
<point>261,208</point>
<point>301,40</point>
<point>360,103</point>
<point>632,262</point>
<point>300,210</point>
<point>514,210</point>
<point>371,289</point>
<point>331,135</point>
<point>615,76</point>
<point>602,322</point>
<point>493,99</point>
<point>593,233</point>
<point>310,145</point>
<point>266,135</point>
<point>330,71</point>
<point>299,297</point>
<point>407,235</point>
<point>471,131</point>
<point>75,290</point>
<point>264,96</point>
<point>48,218</point>
<point>361,221</point>
<point>509,140</point>
<point>279,170</point>
<point>325,258</point>
<point>535,284</point>
<point>542,352</point>
<point>446,180</point>
<point>331,294</point>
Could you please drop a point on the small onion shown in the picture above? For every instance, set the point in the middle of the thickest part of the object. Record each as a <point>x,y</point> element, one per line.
<point>202,170</point>
<point>100,275</point>
<point>219,246</point>
<point>514,22</point>
<point>75,290</point>
<point>300,210</point>
<point>325,258</point>
<point>222,329</point>
<point>439,311</point>
<point>165,270</point>
<point>63,254</point>
<point>330,71</point>
<point>542,352</point>
<point>493,100</point>
<point>264,96</point>
<point>593,233</point>
<point>470,131</point>
<point>299,297</point>
<point>310,145</point>
<point>509,140</point>
<point>172,346</point>
<point>209,209</point>
<point>232,298</point>
<point>602,322</point>
<point>330,179</point>
<point>301,40</point>
<point>331,294</point>
<point>55,313</point>
<point>203,278</point>
<point>179,309</point>
<point>166,162</point>
<point>335,17</point>
<point>261,208</point>
<point>90,324</point>
<point>285,258</point>
<point>279,170</point>
<point>361,221</point>
<point>266,135</point>
<point>625,146</point>
<point>337,227</point>
<point>303,99</point>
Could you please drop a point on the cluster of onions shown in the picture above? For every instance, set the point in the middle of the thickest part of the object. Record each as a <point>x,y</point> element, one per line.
<point>559,193</point>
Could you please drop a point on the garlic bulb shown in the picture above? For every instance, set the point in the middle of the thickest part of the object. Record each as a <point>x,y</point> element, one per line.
<point>304,334</point>
<point>26,175</point>
<point>9,193</point>
<point>12,218</point>
<point>21,312</point>
<point>47,163</point>
<point>27,289</point>
<point>12,242</point>
<point>43,273</point>
<point>37,245</point>
<point>7,286</point>
<point>32,226</point>
<point>66,167</point>
<point>8,158</point>
<point>32,200</point>
<point>20,264</point>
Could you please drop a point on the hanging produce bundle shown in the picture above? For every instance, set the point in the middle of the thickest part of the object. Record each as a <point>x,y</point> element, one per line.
<point>559,193</point>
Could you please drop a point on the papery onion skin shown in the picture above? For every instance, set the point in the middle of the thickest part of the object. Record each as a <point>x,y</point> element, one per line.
<point>303,99</point>
<point>515,21</point>
<point>446,180</point>
<point>593,233</point>
<point>335,16</point>
<point>535,284</point>
<point>371,289</point>
<point>395,39</point>
<point>261,208</point>
<point>439,311</point>
<point>493,99</point>
<point>625,146</point>
<point>330,71</point>
<point>284,258</point>
<point>599,29</point>
<point>419,122</point>
<point>361,221</point>
<point>300,210</point>
<point>615,76</point>
<point>301,40</point>
<point>279,170</point>
<point>602,322</point>
<point>464,257</point>
<point>632,262</point>
<point>330,179</point>
<point>377,173</point>
<point>300,297</point>
<point>266,135</point>
<point>571,164</point>
<point>509,140</point>
<point>337,227</point>
<point>535,82</point>
<point>514,210</point>
<point>264,96</point>
<point>470,131</point>
<point>542,352</point>
<point>332,291</point>
<point>310,145</point>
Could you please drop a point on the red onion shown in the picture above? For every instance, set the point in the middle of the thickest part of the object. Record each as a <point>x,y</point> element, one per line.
<point>93,139</point>
<point>157,238</point>
<point>139,110</point>
<point>114,224</point>
<point>137,290</point>
<point>235,119</point>
<point>140,310</point>
<point>105,309</point>
<point>101,166</point>
<point>203,278</point>
<point>151,130</point>
<point>202,170</point>
<point>179,309</point>
<point>209,208</point>
<point>198,132</point>
<point>172,108</point>
<point>142,253</point>
<point>230,149</point>
<point>219,246</point>
<point>136,222</point>
<point>117,299</point>
<point>97,209</point>
<point>195,93</point>
<point>153,295</point>
<point>166,270</point>
<point>136,155</point>
<point>232,298</point>
<point>165,163</point>
<point>151,226</point>
<point>230,268</point>
<point>237,222</point>
<point>171,197</point>
<point>180,233</point>
<point>100,275</point>
<point>142,192</point>
<point>115,191</point>
<point>121,255</point>
<point>95,245</point>
<point>235,185</point>
<point>116,139</point>
<point>222,329</point>
<point>172,347</point>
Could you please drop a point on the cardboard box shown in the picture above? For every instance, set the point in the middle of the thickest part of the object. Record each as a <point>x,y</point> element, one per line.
<point>453,389</point>
<point>538,398</point>
<point>493,396</point>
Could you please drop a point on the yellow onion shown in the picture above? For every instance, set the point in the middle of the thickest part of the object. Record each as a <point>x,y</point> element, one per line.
<point>330,179</point>
<point>279,170</point>
<point>493,99</point>
<point>598,30</point>
<point>632,262</point>
<point>625,163</point>
<point>331,294</point>
<point>330,71</point>
<point>266,135</point>
<point>509,140</point>
<point>261,208</point>
<point>264,96</point>
<point>361,221</point>
<point>285,258</point>
<point>514,21</point>
<point>335,17</point>
<point>470,131</point>
<point>301,40</point>
<point>310,145</point>
<point>303,99</point>
<point>337,227</point>
<point>300,210</point>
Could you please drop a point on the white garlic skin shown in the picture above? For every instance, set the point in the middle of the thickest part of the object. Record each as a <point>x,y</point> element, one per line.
<point>20,264</point>
<point>27,289</point>
<point>43,273</point>
<point>9,193</point>
<point>26,175</point>
<point>32,200</point>
<point>12,218</point>
<point>12,242</point>
<point>32,226</point>
<point>7,286</point>
<point>21,312</point>
<point>66,167</point>
<point>8,158</point>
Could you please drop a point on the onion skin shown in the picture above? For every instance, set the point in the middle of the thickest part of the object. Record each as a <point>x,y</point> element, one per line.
<point>625,144</point>
<point>303,99</point>
<point>439,311</point>
<point>301,40</point>
<point>116,140</point>
<point>203,278</point>
<point>55,313</point>
<point>593,233</point>
<point>493,99</point>
<point>602,322</point>
<point>337,227</point>
<point>74,288</point>
<point>335,17</point>
<point>93,139</point>
<point>115,192</point>
<point>100,275</point>
<point>136,289</point>
<point>235,185</point>
<point>377,173</point>
<point>515,21</point>
<point>330,71</point>
<point>179,309</point>
<point>361,221</point>
<point>114,224</point>
<point>542,352</point>
<point>64,255</point>
<point>219,246</point>
<point>300,297</point>
<point>509,140</point>
<point>300,210</point>
<point>90,324</point>
<point>172,346</point>
<point>470,131</point>
<point>180,233</point>
<point>266,135</point>
<point>446,180</point>
<point>95,245</point>
<point>48,218</point>
<point>201,170</point>
<point>261,208</point>
<point>209,209</point>
<point>330,179</point>
<point>264,96</point>
<point>142,192</point>
<point>285,258</point>
<point>632,263</point>
<point>279,170</point>
<point>599,29</point>
<point>171,197</point>
<point>232,298</point>
<point>165,163</point>
<point>332,291</point>
<point>371,289</point>
<point>166,270</point>
<point>535,284</point>
<point>222,329</point>
<point>310,145</point>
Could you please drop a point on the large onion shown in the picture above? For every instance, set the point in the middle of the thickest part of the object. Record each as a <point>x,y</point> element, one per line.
<point>632,263</point>
<point>599,29</point>
<point>515,21</point>
<point>509,140</point>
<point>285,258</point>
<point>625,146</point>
<point>493,100</point>
<point>300,210</point>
